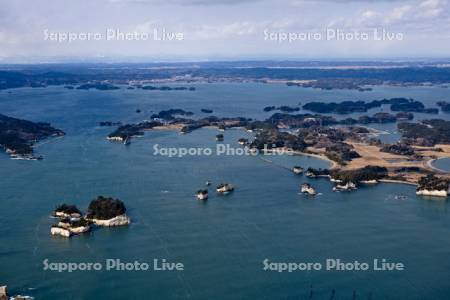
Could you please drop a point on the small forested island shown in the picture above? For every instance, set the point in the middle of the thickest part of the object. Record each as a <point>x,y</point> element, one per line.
<point>18,136</point>
<point>70,221</point>
<point>106,211</point>
<point>413,106</point>
<point>431,185</point>
<point>308,120</point>
<point>102,211</point>
<point>67,211</point>
<point>347,107</point>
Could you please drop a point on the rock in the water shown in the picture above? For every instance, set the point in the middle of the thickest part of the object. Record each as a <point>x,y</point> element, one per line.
<point>56,230</point>
<point>116,221</point>
<point>3,293</point>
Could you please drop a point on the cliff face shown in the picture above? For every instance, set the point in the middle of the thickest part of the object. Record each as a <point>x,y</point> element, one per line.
<point>437,193</point>
<point>60,231</point>
<point>431,185</point>
<point>3,293</point>
<point>104,208</point>
<point>116,221</point>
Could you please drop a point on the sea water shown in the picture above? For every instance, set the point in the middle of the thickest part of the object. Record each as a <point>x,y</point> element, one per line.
<point>222,243</point>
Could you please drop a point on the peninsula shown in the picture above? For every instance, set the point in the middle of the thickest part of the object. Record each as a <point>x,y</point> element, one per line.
<point>18,136</point>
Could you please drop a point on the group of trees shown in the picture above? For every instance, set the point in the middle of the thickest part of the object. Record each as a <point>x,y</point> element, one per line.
<point>20,135</point>
<point>105,208</point>
<point>432,182</point>
<point>427,133</point>
<point>364,174</point>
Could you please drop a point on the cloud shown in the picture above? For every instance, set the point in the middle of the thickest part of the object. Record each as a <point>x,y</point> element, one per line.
<point>187,2</point>
<point>398,14</point>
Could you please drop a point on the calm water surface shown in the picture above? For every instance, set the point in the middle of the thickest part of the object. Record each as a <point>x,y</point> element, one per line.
<point>222,242</point>
<point>442,164</point>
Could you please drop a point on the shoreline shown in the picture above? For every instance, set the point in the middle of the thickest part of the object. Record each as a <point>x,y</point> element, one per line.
<point>334,165</point>
<point>430,165</point>
<point>398,182</point>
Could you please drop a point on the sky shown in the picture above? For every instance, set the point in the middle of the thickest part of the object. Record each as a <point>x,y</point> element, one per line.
<point>202,30</point>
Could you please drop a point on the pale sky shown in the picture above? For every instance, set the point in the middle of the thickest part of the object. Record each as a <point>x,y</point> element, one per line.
<point>221,29</point>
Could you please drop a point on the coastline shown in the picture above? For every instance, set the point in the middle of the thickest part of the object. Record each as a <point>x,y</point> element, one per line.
<point>398,182</point>
<point>430,165</point>
<point>334,165</point>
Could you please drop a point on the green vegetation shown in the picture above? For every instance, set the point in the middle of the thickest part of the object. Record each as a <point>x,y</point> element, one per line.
<point>398,148</point>
<point>67,209</point>
<point>346,107</point>
<point>427,133</point>
<point>18,136</point>
<point>104,208</point>
<point>432,182</point>
<point>364,174</point>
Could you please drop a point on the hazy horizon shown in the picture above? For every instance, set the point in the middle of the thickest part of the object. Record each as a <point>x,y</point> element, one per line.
<point>200,30</point>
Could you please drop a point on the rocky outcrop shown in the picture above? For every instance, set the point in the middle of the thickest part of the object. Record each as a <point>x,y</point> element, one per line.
<point>102,211</point>
<point>106,211</point>
<point>308,189</point>
<point>436,193</point>
<point>75,227</point>
<point>3,293</point>
<point>56,230</point>
<point>67,211</point>
<point>120,220</point>
<point>432,185</point>
<point>373,181</point>
<point>349,186</point>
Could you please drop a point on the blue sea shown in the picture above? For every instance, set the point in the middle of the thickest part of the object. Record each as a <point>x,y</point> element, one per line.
<point>223,242</point>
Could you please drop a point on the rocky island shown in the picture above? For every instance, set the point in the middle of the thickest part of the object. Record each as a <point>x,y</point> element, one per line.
<point>70,222</point>
<point>106,211</point>
<point>102,211</point>
<point>431,185</point>
<point>67,227</point>
<point>67,211</point>
<point>4,295</point>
